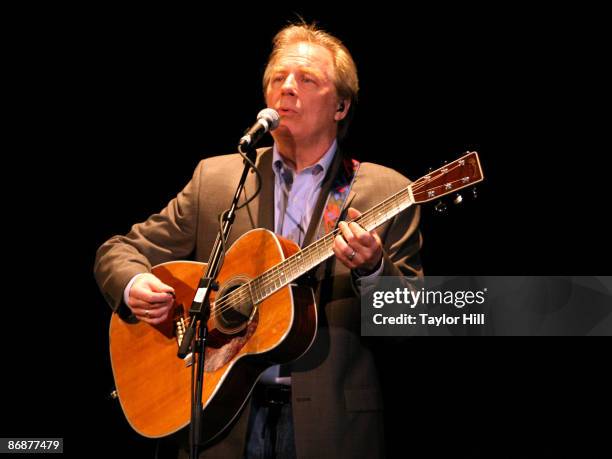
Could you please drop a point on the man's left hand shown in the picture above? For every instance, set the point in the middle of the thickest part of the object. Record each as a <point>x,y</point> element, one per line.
<point>357,248</point>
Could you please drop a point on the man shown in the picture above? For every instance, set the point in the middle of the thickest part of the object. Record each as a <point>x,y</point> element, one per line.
<point>331,401</point>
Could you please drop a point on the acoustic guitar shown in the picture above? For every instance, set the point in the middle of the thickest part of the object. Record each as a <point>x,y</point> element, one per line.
<point>259,317</point>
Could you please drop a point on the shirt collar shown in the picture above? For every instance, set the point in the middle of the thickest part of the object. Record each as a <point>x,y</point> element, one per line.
<point>323,164</point>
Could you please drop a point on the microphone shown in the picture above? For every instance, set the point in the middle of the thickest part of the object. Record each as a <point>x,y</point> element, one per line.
<point>267,120</point>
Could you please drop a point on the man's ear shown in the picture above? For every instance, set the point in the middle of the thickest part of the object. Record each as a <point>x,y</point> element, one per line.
<point>342,110</point>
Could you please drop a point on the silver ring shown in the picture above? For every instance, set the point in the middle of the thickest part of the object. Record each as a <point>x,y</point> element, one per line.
<point>351,256</point>
<point>147,313</point>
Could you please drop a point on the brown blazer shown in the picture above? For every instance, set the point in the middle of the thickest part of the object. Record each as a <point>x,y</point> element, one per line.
<point>336,399</point>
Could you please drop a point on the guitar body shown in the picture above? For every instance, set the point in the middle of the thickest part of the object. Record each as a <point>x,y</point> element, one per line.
<point>154,385</point>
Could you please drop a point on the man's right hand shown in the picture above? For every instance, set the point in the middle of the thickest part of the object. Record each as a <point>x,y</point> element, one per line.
<point>150,299</point>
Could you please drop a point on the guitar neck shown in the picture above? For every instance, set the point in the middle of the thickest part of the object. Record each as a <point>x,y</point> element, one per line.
<point>461,173</point>
<point>303,261</point>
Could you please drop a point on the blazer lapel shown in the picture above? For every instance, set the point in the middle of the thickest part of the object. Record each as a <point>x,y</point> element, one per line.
<point>322,200</point>
<point>262,207</point>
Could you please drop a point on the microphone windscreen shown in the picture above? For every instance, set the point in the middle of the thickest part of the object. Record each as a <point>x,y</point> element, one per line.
<point>271,116</point>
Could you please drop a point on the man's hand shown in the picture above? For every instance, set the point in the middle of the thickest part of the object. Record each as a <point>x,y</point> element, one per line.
<point>357,248</point>
<point>150,299</point>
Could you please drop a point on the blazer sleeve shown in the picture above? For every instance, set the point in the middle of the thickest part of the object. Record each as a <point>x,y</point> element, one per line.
<point>400,236</point>
<point>165,236</point>
<point>402,244</point>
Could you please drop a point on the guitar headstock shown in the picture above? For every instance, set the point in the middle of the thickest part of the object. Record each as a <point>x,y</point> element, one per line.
<point>461,173</point>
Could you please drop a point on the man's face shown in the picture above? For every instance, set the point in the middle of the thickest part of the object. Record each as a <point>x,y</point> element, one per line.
<point>301,89</point>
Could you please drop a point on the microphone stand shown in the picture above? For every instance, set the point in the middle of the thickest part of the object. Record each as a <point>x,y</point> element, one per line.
<point>200,311</point>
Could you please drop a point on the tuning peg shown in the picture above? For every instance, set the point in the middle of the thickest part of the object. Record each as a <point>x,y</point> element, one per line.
<point>457,199</point>
<point>441,207</point>
<point>474,193</point>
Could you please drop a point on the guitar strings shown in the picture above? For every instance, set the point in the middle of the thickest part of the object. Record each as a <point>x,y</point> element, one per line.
<point>243,292</point>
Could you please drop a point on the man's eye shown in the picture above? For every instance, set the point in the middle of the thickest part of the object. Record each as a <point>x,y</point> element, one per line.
<point>307,79</point>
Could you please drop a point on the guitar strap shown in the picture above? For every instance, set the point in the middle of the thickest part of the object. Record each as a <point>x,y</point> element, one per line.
<point>336,199</point>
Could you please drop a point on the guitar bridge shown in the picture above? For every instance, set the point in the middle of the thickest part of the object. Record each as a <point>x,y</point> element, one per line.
<point>180,325</point>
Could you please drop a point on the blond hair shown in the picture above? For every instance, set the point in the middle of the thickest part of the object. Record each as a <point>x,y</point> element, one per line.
<point>345,71</point>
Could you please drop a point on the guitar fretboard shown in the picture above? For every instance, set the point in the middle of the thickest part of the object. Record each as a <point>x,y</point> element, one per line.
<point>303,261</point>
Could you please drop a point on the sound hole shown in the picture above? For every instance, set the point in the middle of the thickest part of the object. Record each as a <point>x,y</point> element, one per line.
<point>233,308</point>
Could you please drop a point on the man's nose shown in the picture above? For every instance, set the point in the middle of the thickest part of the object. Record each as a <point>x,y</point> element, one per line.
<point>289,85</point>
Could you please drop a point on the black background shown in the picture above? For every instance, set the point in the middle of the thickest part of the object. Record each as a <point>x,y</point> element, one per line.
<point>121,105</point>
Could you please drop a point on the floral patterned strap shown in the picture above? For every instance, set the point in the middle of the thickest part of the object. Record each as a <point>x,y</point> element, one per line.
<point>337,197</point>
